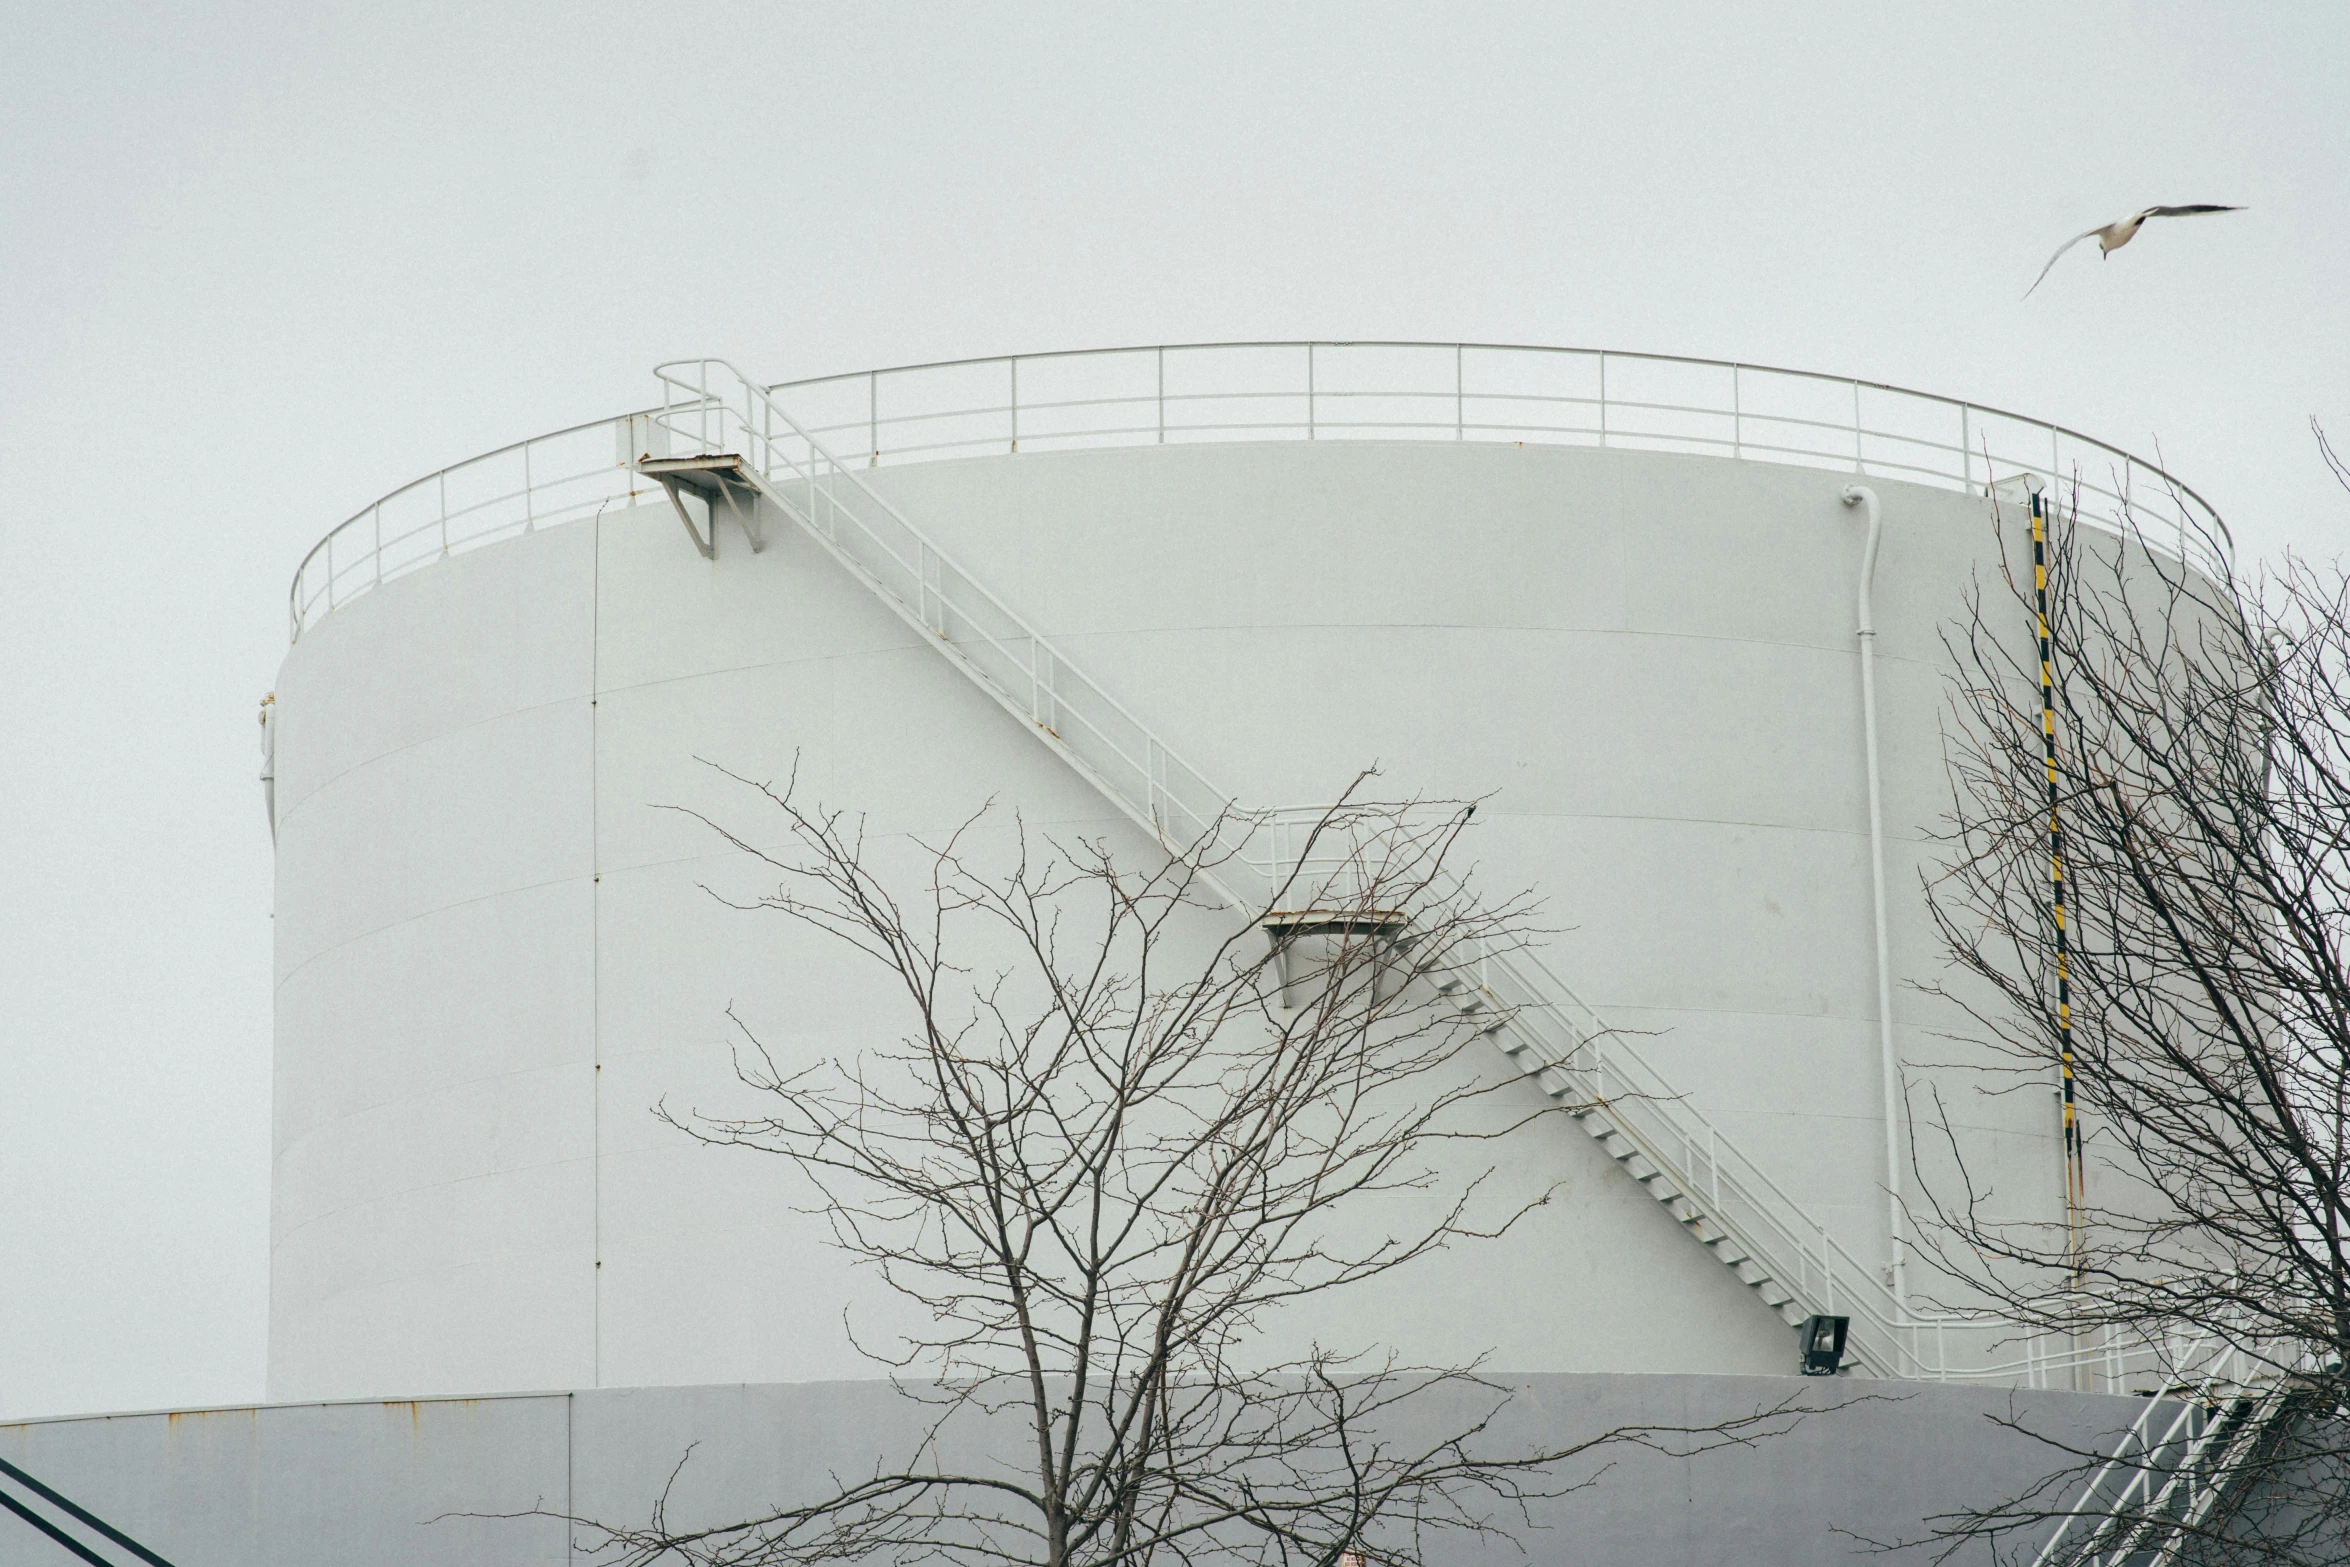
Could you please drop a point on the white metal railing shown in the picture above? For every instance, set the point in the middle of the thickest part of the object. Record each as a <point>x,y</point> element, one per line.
<point>1601,1065</point>
<point>545,481</point>
<point>1293,391</point>
<point>712,407</point>
<point>2166,1451</point>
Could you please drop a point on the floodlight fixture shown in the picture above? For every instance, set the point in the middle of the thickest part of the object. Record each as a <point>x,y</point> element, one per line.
<point>1823,1344</point>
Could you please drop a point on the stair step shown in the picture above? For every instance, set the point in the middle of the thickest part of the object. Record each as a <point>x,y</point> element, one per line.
<point>1678,1203</point>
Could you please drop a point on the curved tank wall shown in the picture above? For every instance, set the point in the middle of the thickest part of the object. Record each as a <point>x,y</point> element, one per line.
<point>495,953</point>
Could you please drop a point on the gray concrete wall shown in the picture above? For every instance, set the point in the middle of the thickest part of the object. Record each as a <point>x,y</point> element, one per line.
<point>386,1484</point>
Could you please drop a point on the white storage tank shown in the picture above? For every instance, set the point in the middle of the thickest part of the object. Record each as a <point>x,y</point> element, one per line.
<point>1612,596</point>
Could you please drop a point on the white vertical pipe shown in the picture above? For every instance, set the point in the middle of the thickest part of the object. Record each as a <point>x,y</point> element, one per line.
<point>1888,1063</point>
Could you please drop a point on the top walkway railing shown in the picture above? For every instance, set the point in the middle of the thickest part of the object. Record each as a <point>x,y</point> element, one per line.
<point>1292,392</point>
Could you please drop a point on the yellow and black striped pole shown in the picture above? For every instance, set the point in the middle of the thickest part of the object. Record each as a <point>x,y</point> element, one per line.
<point>2075,1167</point>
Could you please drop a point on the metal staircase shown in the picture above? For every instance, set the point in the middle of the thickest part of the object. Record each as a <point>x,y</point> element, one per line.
<point>2162,1491</point>
<point>719,429</point>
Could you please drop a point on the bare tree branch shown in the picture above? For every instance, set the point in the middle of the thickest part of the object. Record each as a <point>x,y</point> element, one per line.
<point>2201,791</point>
<point>1122,1135</point>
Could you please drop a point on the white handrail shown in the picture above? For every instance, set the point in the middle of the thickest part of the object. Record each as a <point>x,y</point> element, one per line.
<point>2140,1456</point>
<point>714,407</point>
<point>1240,391</point>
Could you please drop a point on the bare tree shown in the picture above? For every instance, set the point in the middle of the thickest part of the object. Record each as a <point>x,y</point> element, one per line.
<point>2146,893</point>
<point>1126,1137</point>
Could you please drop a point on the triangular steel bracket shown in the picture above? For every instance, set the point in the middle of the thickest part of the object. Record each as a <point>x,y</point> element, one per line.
<point>712,476</point>
<point>1284,927</point>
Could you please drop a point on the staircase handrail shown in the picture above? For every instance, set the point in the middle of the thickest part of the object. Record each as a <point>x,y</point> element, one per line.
<point>2138,1454</point>
<point>1565,1034</point>
<point>2278,1401</point>
<point>990,640</point>
<point>1708,1166</point>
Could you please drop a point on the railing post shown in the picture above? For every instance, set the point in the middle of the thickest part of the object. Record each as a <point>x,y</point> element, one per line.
<point>1460,425</point>
<point>529,501</point>
<point>1603,397</point>
<point>1966,453</point>
<point>1856,465</point>
<point>1737,418</point>
<point>873,417</point>
<point>375,515</point>
<point>1162,354</point>
<point>443,487</point>
<point>1309,391</point>
<point>1015,362</point>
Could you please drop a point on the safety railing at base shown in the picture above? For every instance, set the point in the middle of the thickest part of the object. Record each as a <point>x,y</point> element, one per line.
<point>2160,1473</point>
<point>1294,391</point>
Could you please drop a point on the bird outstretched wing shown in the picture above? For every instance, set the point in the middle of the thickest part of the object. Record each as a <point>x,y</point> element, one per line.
<point>2059,256</point>
<point>2185,212</point>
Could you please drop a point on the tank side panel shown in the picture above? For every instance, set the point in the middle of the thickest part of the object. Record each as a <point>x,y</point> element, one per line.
<point>432,1191</point>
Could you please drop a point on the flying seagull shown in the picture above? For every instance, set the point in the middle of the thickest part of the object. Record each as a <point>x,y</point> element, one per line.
<point>2113,236</point>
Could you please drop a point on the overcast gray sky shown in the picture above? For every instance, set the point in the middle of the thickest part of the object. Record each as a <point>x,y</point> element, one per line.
<point>263,263</point>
